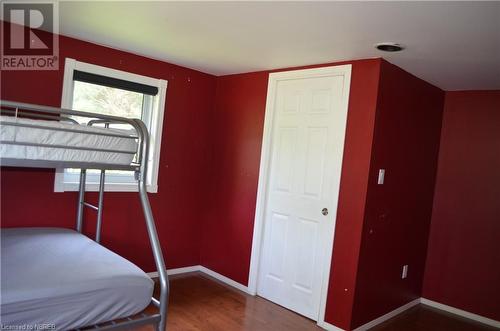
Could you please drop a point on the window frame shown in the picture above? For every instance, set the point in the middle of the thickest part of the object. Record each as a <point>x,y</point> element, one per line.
<point>155,133</point>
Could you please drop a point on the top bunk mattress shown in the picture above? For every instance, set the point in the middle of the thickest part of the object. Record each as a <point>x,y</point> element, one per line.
<point>24,139</point>
<point>62,278</point>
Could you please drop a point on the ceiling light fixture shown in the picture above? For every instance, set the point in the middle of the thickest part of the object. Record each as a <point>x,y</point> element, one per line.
<point>389,47</point>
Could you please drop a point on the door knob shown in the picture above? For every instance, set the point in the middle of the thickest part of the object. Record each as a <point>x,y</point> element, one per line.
<point>324,211</point>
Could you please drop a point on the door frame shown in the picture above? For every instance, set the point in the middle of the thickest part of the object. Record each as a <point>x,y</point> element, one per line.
<point>274,78</point>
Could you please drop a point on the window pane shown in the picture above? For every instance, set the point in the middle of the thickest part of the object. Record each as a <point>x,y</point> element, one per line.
<point>107,100</point>
<point>110,101</point>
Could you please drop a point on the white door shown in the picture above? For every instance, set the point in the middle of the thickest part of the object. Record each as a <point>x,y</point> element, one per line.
<point>306,147</point>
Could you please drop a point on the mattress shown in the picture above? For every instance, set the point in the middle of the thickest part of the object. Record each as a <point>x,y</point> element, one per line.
<point>53,141</point>
<point>62,278</point>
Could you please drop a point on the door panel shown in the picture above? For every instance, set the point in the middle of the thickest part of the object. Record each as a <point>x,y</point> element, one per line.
<point>315,161</point>
<point>285,154</point>
<point>278,238</point>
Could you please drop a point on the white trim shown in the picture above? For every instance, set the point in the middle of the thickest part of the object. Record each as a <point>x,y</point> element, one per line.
<point>225,279</point>
<point>66,102</point>
<point>388,316</point>
<point>344,70</point>
<point>176,271</point>
<point>155,131</point>
<point>205,270</point>
<point>156,135</point>
<point>93,187</point>
<point>460,312</point>
<point>328,326</point>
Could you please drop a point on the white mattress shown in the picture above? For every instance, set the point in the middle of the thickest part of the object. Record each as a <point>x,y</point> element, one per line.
<point>61,277</point>
<point>65,146</point>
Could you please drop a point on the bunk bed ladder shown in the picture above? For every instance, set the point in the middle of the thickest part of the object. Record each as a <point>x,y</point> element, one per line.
<point>82,203</point>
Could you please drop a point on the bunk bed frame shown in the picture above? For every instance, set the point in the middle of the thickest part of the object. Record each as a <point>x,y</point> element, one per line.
<point>138,166</point>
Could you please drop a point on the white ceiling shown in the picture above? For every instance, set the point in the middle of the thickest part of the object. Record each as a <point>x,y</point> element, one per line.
<point>454,45</point>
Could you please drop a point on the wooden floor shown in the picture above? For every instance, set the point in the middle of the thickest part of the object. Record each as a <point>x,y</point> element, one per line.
<point>198,302</point>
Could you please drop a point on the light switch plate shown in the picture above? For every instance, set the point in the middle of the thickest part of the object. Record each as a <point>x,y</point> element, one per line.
<point>381,175</point>
<point>404,274</point>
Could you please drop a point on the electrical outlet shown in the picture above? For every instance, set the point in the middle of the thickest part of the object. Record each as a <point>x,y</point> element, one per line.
<point>404,274</point>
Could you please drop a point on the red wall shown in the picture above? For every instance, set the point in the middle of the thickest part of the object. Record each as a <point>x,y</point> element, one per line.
<point>463,264</point>
<point>28,199</point>
<point>236,133</point>
<point>398,213</point>
<point>353,189</point>
<point>237,130</point>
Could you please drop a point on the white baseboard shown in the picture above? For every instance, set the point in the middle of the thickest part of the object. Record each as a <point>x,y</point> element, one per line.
<point>460,312</point>
<point>206,271</point>
<point>377,321</point>
<point>424,301</point>
<point>176,271</point>
<point>328,326</point>
<point>388,316</point>
<point>225,279</point>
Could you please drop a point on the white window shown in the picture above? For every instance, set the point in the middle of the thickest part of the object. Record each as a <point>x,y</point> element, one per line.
<point>93,88</point>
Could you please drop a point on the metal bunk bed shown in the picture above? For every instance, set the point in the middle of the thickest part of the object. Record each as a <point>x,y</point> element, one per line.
<point>138,166</point>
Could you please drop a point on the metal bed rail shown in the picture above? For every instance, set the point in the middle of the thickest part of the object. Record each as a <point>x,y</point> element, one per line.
<point>139,166</point>
<point>18,109</point>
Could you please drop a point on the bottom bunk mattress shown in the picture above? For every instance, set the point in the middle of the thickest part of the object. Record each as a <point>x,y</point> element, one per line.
<point>61,278</point>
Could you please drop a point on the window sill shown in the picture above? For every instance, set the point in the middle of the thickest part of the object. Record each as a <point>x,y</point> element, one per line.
<point>111,187</point>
